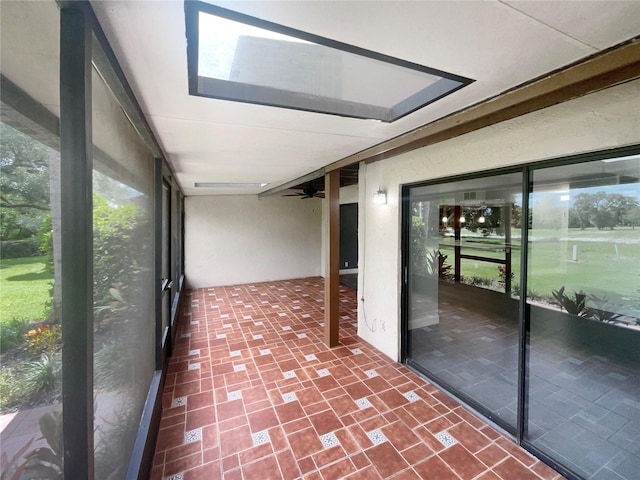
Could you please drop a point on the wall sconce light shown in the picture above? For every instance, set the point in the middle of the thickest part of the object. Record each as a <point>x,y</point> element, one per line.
<point>380,197</point>
<point>445,219</point>
<point>462,219</point>
<point>481,218</point>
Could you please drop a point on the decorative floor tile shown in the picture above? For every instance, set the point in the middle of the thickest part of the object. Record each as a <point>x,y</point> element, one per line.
<point>329,440</point>
<point>363,403</point>
<point>314,415</point>
<point>221,336</point>
<point>376,436</point>
<point>193,435</point>
<point>235,395</point>
<point>289,397</point>
<point>194,366</point>
<point>177,476</point>
<point>185,335</point>
<point>411,396</point>
<point>302,335</point>
<point>446,439</point>
<point>194,322</point>
<point>260,438</point>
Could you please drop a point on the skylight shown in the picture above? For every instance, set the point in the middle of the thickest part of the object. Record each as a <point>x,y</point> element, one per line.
<point>236,57</point>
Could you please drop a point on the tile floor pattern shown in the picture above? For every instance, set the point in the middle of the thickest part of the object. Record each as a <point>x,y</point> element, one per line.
<point>270,401</point>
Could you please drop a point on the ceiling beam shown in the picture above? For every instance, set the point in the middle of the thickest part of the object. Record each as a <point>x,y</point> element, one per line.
<point>605,69</point>
<point>292,183</point>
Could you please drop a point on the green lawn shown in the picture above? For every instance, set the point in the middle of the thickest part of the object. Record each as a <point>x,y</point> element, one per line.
<point>24,289</point>
<point>608,262</point>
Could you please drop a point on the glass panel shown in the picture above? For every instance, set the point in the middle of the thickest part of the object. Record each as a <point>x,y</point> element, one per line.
<point>31,339</point>
<point>584,297</point>
<point>124,333</point>
<point>30,259</point>
<point>242,58</point>
<point>464,244</point>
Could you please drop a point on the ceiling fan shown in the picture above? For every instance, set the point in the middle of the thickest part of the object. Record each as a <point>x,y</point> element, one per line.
<point>309,191</point>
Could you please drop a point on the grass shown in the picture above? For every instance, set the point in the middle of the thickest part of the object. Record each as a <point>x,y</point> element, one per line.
<point>25,287</point>
<point>608,262</point>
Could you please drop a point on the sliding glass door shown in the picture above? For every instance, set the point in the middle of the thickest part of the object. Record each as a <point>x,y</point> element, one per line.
<point>463,271</point>
<point>584,302</point>
<point>558,367</point>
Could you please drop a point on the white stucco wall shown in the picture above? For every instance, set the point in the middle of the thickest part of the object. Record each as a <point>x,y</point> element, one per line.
<point>607,119</point>
<point>243,239</point>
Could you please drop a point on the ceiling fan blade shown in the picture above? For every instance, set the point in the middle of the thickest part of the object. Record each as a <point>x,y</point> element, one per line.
<point>293,195</point>
<point>320,195</point>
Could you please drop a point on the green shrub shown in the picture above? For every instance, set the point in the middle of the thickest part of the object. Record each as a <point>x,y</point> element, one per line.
<point>19,248</point>
<point>9,390</point>
<point>42,376</point>
<point>11,332</point>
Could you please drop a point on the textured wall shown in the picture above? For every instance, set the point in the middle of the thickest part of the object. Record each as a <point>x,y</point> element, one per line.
<point>243,239</point>
<point>606,119</point>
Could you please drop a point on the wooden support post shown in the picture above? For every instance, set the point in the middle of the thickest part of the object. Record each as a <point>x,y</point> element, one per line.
<point>332,275</point>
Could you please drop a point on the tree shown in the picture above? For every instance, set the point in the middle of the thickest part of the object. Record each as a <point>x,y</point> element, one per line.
<point>601,209</point>
<point>632,217</point>
<point>24,184</point>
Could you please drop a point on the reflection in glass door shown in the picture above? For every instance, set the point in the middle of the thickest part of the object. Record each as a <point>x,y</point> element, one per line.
<point>462,289</point>
<point>558,367</point>
<point>584,302</point>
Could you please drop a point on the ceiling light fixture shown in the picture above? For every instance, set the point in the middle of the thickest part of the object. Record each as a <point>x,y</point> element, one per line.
<point>229,185</point>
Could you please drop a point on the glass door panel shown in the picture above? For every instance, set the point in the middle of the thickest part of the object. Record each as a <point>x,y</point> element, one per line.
<point>463,277</point>
<point>584,301</point>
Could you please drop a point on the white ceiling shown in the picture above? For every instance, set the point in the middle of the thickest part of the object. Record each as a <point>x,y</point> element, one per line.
<point>500,44</point>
